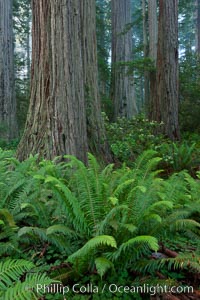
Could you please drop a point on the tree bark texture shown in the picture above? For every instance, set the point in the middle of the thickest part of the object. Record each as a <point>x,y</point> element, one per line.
<point>28,48</point>
<point>95,127</point>
<point>8,120</point>
<point>166,102</point>
<point>153,41</point>
<point>56,122</point>
<point>145,44</point>
<point>153,29</point>
<point>122,91</point>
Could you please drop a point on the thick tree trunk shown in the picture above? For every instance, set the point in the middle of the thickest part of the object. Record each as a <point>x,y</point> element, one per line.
<point>153,41</point>
<point>166,101</point>
<point>122,84</point>
<point>8,121</point>
<point>56,122</point>
<point>95,127</point>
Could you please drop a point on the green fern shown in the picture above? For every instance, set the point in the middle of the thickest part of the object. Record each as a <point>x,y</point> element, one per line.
<point>11,271</point>
<point>92,244</point>
<point>108,218</point>
<point>183,261</point>
<point>103,265</point>
<point>138,245</point>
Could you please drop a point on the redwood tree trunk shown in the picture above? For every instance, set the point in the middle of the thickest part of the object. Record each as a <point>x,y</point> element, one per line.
<point>8,121</point>
<point>122,84</point>
<point>166,102</point>
<point>198,27</point>
<point>95,127</point>
<point>153,40</point>
<point>56,122</point>
<point>145,44</point>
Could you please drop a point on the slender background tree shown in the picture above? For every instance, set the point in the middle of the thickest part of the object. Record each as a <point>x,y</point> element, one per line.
<point>153,41</point>
<point>198,27</point>
<point>22,31</point>
<point>8,120</point>
<point>122,90</point>
<point>146,51</point>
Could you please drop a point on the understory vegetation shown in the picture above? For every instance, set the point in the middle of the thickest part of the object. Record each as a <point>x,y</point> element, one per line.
<point>132,223</point>
<point>119,79</point>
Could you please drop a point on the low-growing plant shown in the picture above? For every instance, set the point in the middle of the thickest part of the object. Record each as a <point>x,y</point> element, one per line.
<point>129,138</point>
<point>179,156</point>
<point>91,224</point>
<point>12,286</point>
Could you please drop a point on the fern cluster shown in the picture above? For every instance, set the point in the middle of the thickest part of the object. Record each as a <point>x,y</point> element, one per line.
<point>97,220</point>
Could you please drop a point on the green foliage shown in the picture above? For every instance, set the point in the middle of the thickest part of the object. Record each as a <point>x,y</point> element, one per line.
<point>189,93</point>
<point>103,31</point>
<point>22,31</point>
<point>140,65</point>
<point>129,138</point>
<point>92,224</point>
<point>92,244</point>
<point>179,156</point>
<point>102,265</point>
<point>11,287</point>
<point>9,145</point>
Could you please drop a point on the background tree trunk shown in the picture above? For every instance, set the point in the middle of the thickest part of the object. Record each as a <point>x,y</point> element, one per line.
<point>95,127</point>
<point>198,27</point>
<point>153,41</point>
<point>166,102</point>
<point>28,52</point>
<point>56,122</point>
<point>8,120</point>
<point>122,90</point>
<point>146,50</point>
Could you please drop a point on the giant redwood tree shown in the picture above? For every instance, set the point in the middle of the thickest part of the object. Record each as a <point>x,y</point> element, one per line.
<point>165,103</point>
<point>8,122</point>
<point>62,70</point>
<point>56,121</point>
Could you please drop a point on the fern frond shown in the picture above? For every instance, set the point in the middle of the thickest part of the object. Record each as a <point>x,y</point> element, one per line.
<point>160,205</point>
<point>27,290</point>
<point>182,261</point>
<point>97,241</point>
<point>60,229</point>
<point>91,187</point>
<point>8,217</point>
<point>12,269</point>
<point>138,244</point>
<point>153,217</point>
<point>71,203</point>
<point>103,265</point>
<point>130,227</point>
<point>33,232</point>
<point>144,159</point>
<point>113,213</point>
<point>124,185</point>
<point>185,224</point>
